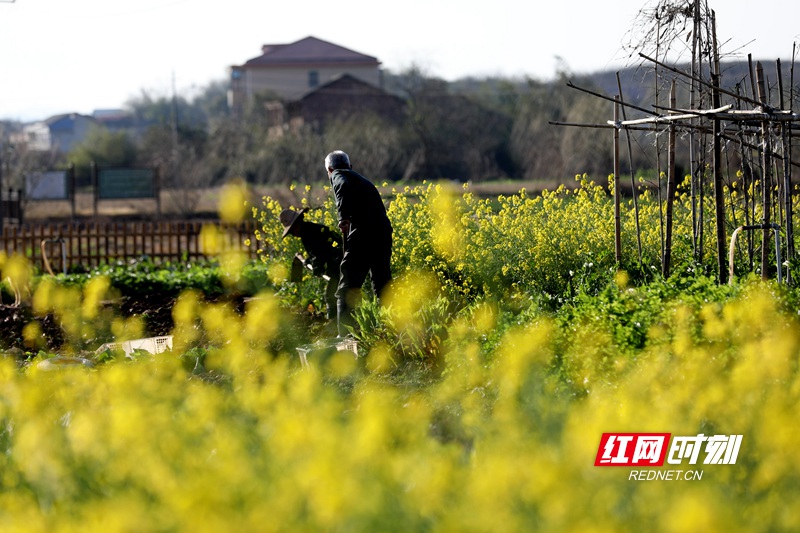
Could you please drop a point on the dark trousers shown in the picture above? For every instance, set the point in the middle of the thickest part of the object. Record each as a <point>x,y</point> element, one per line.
<point>365,255</point>
<point>331,286</point>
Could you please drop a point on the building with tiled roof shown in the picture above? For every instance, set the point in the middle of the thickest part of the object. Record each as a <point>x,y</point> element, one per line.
<point>60,133</point>
<point>341,97</point>
<point>288,71</point>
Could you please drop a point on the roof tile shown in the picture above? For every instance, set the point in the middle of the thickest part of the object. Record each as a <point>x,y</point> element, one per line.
<point>308,50</point>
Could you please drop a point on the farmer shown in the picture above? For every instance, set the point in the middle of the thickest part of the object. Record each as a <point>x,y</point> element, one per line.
<point>367,236</point>
<point>324,249</point>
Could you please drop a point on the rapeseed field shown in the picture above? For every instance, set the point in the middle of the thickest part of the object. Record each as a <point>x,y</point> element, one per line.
<point>510,344</point>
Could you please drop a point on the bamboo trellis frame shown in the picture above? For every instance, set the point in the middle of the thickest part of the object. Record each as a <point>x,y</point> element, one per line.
<point>768,117</point>
<point>728,122</point>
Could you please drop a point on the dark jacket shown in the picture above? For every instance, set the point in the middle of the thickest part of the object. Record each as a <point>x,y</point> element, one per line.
<point>359,201</point>
<point>323,245</point>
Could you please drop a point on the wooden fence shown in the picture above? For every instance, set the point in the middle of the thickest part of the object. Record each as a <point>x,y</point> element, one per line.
<point>89,244</point>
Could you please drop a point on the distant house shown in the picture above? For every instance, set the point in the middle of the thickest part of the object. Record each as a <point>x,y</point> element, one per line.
<point>289,71</point>
<point>60,133</point>
<point>344,95</point>
<point>115,119</point>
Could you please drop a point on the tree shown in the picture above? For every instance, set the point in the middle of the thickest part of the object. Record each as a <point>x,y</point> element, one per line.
<point>174,111</point>
<point>18,162</point>
<point>586,150</point>
<point>373,143</point>
<point>294,157</point>
<point>182,163</point>
<point>535,144</point>
<point>213,101</point>
<point>451,136</point>
<point>103,147</point>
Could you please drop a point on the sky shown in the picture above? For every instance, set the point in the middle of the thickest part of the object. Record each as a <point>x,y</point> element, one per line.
<point>64,56</point>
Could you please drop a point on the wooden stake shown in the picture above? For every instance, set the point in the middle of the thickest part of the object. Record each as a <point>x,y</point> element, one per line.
<point>671,188</point>
<point>617,224</point>
<point>633,180</point>
<point>693,164</point>
<point>787,180</point>
<point>719,202</point>
<point>787,156</point>
<point>766,185</point>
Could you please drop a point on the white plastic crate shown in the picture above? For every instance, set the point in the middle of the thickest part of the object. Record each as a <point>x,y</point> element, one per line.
<point>324,347</point>
<point>153,345</point>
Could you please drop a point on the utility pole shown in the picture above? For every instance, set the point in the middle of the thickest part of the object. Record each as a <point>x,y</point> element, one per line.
<point>173,166</point>
<point>174,118</point>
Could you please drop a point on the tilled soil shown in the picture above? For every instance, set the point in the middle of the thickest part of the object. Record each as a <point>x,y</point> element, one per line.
<point>154,309</point>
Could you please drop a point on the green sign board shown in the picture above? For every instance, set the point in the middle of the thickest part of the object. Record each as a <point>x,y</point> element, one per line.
<point>117,183</point>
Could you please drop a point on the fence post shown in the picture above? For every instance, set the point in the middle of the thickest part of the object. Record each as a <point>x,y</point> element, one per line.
<point>157,187</point>
<point>95,190</point>
<point>12,208</point>
<point>71,187</point>
<point>20,208</point>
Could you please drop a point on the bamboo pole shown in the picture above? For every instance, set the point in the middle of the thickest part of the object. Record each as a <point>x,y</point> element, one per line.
<point>719,202</point>
<point>766,185</point>
<point>658,151</point>
<point>695,79</point>
<point>692,104</point>
<point>617,224</point>
<point>671,187</point>
<point>787,156</point>
<point>784,189</point>
<point>759,150</point>
<point>609,98</point>
<point>787,180</point>
<point>753,91</point>
<point>633,180</point>
<point>675,118</point>
<point>648,125</point>
<point>580,124</point>
<point>719,113</point>
<point>747,180</point>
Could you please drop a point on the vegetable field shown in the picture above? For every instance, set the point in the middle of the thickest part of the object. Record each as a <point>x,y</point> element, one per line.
<point>509,343</point>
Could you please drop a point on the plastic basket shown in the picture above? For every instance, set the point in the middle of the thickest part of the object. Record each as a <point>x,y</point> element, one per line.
<point>326,347</point>
<point>153,345</point>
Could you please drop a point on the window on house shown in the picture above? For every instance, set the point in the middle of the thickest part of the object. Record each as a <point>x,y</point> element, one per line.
<point>313,78</point>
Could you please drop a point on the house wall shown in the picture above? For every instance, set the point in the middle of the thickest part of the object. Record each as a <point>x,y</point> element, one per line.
<point>345,97</point>
<point>37,136</point>
<point>68,133</point>
<point>291,83</point>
